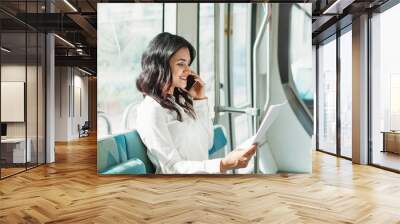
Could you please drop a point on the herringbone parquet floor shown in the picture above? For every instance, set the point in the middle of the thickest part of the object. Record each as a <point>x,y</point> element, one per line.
<point>70,191</point>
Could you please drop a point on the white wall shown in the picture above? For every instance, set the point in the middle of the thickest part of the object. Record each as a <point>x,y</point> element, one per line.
<point>70,83</point>
<point>79,117</point>
<point>61,103</point>
<point>33,126</point>
<point>13,73</point>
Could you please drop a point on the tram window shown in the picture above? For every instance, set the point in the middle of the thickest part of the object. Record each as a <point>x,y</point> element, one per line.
<point>240,69</point>
<point>239,62</point>
<point>301,53</point>
<point>206,50</point>
<point>242,134</point>
<point>170,17</point>
<point>124,32</point>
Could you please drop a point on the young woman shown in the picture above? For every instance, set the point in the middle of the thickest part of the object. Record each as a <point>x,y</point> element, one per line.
<point>174,123</point>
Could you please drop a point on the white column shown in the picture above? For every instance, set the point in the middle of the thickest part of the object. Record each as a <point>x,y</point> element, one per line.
<point>50,99</point>
<point>360,90</point>
<point>50,92</point>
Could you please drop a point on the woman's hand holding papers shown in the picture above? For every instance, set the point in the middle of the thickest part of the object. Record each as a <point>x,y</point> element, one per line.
<point>237,158</point>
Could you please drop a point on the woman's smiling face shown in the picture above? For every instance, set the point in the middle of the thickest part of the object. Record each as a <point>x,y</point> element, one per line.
<point>180,70</point>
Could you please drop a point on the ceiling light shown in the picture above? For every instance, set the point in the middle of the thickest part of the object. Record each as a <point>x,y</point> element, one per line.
<point>64,40</point>
<point>338,6</point>
<point>5,50</point>
<point>329,9</point>
<point>79,51</point>
<point>84,71</point>
<point>70,5</point>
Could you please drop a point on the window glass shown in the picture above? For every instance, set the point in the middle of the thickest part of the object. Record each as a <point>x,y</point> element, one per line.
<point>170,17</point>
<point>240,70</point>
<point>243,126</point>
<point>301,53</point>
<point>327,96</point>
<point>346,94</point>
<point>206,51</point>
<point>385,85</point>
<point>124,32</point>
<point>22,91</point>
<point>239,63</point>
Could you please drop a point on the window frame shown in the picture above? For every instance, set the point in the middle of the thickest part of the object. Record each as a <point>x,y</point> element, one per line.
<point>334,37</point>
<point>371,14</point>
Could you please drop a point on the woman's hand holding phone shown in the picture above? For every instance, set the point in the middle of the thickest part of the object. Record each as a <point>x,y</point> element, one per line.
<point>197,90</point>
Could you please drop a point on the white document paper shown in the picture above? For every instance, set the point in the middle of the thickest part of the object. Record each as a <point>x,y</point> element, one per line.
<point>260,137</point>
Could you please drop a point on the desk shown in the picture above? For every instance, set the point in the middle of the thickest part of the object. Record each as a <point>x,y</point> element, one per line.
<point>16,148</point>
<point>391,141</point>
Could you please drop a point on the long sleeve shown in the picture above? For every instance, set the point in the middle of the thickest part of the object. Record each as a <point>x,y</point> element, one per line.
<point>202,111</point>
<point>152,125</point>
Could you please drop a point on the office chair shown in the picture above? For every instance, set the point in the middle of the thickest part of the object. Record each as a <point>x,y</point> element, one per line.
<point>84,130</point>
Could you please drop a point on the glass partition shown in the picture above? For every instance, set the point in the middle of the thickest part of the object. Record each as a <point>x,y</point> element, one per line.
<point>31,100</point>
<point>170,17</point>
<point>22,88</point>
<point>41,107</point>
<point>14,153</point>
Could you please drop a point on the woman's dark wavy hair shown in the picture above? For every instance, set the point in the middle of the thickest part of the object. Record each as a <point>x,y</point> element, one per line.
<point>156,76</point>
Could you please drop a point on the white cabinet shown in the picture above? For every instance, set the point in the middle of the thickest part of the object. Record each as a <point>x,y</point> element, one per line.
<point>18,149</point>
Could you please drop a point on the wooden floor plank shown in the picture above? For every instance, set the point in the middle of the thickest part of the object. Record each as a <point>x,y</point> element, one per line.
<point>70,191</point>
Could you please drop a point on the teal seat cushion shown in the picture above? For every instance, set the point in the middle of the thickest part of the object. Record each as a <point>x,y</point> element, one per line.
<point>107,153</point>
<point>219,140</point>
<point>136,149</point>
<point>121,146</point>
<point>132,166</point>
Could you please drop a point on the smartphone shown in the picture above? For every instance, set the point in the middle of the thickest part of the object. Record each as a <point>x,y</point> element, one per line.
<point>190,82</point>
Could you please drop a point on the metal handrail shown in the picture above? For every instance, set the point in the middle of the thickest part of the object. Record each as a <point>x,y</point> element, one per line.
<point>248,110</point>
<point>256,45</point>
<point>101,114</point>
<point>125,116</point>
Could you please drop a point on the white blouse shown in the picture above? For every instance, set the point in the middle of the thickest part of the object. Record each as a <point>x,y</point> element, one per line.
<point>176,147</point>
